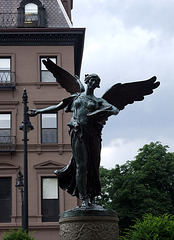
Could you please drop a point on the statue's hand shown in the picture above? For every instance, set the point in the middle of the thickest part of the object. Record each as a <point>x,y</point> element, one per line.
<point>33,112</point>
<point>115,110</point>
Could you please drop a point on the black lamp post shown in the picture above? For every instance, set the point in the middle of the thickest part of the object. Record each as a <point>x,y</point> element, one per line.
<point>20,186</point>
<point>25,127</point>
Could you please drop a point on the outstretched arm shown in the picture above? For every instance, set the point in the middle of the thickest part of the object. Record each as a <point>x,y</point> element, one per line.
<point>51,109</point>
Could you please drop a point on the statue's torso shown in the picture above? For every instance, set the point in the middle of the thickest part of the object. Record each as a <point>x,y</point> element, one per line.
<point>81,106</point>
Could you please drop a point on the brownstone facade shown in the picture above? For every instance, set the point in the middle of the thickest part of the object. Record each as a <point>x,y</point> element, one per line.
<point>31,30</point>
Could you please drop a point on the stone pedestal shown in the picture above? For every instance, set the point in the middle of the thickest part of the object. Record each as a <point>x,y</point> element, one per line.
<point>93,223</point>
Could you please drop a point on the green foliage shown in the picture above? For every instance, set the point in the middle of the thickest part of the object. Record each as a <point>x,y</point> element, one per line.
<point>17,235</point>
<point>142,186</point>
<point>106,184</point>
<point>151,228</point>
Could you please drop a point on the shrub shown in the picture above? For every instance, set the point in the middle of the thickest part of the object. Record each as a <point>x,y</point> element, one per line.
<point>151,228</point>
<point>17,235</point>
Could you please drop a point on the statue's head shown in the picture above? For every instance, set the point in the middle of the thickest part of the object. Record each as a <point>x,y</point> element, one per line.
<point>92,76</point>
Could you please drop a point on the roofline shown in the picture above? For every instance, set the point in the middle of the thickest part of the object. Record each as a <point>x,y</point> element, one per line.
<point>47,37</point>
<point>51,29</point>
<point>65,13</point>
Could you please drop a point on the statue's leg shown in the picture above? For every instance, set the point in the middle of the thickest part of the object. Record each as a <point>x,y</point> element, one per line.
<point>94,181</point>
<point>92,200</point>
<point>80,156</point>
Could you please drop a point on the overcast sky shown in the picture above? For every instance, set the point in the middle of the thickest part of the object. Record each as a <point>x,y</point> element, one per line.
<point>126,41</point>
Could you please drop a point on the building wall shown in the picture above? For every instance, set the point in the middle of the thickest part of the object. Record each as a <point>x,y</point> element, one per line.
<point>25,36</point>
<point>43,159</point>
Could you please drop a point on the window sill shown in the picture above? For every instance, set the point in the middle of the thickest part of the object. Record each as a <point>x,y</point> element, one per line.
<point>7,86</point>
<point>40,84</point>
<point>32,225</point>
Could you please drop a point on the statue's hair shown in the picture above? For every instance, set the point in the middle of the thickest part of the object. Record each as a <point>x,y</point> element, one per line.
<point>89,76</point>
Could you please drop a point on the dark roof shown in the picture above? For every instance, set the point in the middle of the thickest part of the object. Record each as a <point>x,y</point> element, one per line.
<point>56,16</point>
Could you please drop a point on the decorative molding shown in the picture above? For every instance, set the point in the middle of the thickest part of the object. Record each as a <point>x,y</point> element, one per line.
<point>49,165</point>
<point>41,38</point>
<point>45,148</point>
<point>25,84</point>
<point>8,165</point>
<point>40,84</point>
<point>24,2</point>
<point>47,103</point>
<point>36,226</point>
<point>9,102</point>
<point>76,228</point>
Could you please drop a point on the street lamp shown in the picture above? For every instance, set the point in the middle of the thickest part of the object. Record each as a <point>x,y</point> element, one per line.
<point>20,186</point>
<point>25,127</point>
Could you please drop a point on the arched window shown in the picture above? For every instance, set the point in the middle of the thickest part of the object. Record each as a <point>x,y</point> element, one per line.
<point>31,13</point>
<point>31,8</point>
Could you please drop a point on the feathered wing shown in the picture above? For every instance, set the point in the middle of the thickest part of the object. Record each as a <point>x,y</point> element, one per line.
<point>120,95</point>
<point>72,84</point>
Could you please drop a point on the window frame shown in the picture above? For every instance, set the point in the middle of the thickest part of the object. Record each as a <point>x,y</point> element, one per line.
<point>43,128</point>
<point>46,70</point>
<point>6,73</point>
<point>54,202</point>
<point>41,14</point>
<point>11,72</point>
<point>8,137</point>
<point>7,219</point>
<point>31,3</point>
<point>31,17</point>
<point>10,108</point>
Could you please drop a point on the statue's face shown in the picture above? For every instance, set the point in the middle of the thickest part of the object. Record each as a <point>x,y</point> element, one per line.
<point>94,82</point>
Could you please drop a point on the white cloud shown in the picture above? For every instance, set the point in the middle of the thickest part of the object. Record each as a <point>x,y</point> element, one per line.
<point>121,150</point>
<point>126,41</point>
<point>118,151</point>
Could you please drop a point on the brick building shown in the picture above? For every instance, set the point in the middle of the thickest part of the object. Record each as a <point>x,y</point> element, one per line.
<point>31,30</point>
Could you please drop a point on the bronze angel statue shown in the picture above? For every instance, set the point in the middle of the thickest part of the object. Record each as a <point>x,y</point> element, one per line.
<point>89,114</point>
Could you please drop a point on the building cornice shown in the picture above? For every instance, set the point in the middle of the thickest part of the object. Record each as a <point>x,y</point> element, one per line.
<point>47,37</point>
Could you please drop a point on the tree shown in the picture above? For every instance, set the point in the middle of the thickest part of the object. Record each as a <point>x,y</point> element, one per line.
<point>145,185</point>
<point>151,228</point>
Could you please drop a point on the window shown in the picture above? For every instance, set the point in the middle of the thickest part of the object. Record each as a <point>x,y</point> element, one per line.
<point>47,76</point>
<point>5,199</point>
<point>5,70</point>
<point>7,77</point>
<point>7,141</point>
<point>31,8</point>
<point>49,128</point>
<point>5,128</point>
<point>31,14</point>
<point>50,199</point>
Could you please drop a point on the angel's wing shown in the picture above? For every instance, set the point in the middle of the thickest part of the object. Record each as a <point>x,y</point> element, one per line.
<point>120,95</point>
<point>71,83</point>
